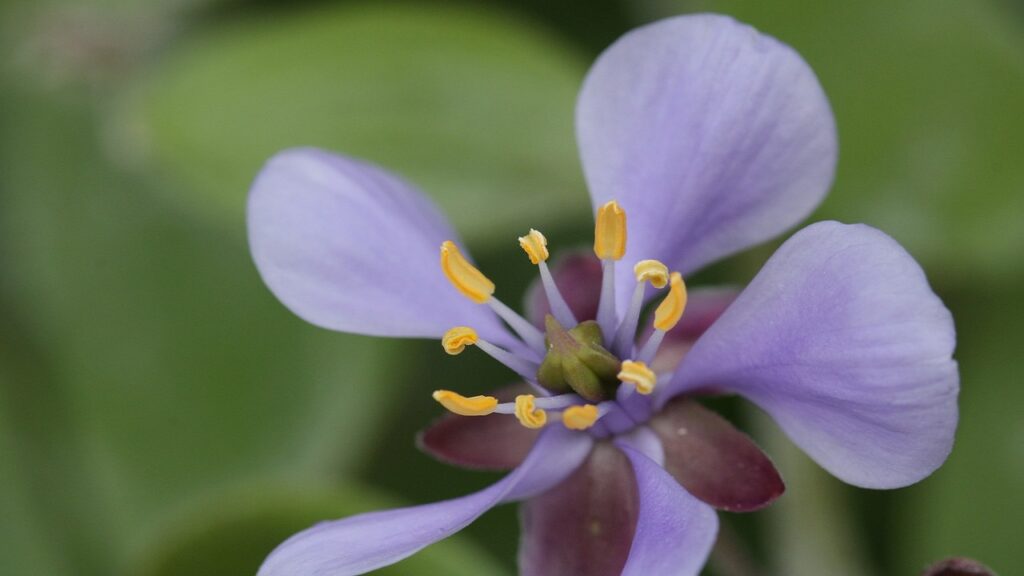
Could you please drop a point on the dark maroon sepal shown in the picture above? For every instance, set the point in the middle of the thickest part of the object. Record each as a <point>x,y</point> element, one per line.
<point>958,567</point>
<point>585,525</point>
<point>495,442</point>
<point>713,460</point>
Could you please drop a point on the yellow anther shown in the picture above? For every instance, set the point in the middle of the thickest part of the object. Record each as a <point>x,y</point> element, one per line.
<point>671,308</point>
<point>463,406</point>
<point>651,271</point>
<point>580,417</point>
<point>463,275</point>
<point>528,414</point>
<point>535,245</point>
<point>639,375</point>
<point>610,232</point>
<point>456,339</point>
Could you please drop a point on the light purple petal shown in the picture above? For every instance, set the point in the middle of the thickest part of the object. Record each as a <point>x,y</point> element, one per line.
<point>712,137</point>
<point>350,247</point>
<point>674,531</point>
<point>842,341</point>
<point>368,541</point>
<point>585,524</point>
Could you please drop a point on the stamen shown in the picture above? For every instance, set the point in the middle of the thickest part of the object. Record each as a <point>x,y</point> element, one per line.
<point>535,245</point>
<point>610,232</point>
<point>606,317</point>
<point>466,406</point>
<point>671,308</point>
<point>650,348</point>
<point>609,245</point>
<point>645,271</point>
<point>455,340</point>
<point>521,366</point>
<point>559,307</point>
<point>666,316</point>
<point>559,402</point>
<point>463,275</point>
<point>528,414</point>
<point>580,417</point>
<point>528,332</point>
<point>639,375</point>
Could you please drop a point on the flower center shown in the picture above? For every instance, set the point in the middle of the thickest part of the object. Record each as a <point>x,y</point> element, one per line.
<point>577,360</point>
<point>591,375</point>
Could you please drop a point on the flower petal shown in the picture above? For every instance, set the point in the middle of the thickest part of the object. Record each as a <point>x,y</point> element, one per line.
<point>368,541</point>
<point>578,277</point>
<point>348,246</point>
<point>842,341</point>
<point>495,442</point>
<point>585,524</point>
<point>674,531</point>
<point>712,137</point>
<point>713,460</point>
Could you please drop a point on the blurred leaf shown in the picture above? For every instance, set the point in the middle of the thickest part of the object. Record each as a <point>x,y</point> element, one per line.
<point>27,545</point>
<point>811,529</point>
<point>231,535</point>
<point>47,521</point>
<point>973,505</point>
<point>475,108</point>
<point>927,97</point>
<point>174,370</point>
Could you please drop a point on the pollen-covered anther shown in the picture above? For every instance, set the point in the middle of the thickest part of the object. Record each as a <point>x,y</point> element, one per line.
<point>668,313</point>
<point>455,340</point>
<point>463,275</point>
<point>610,232</point>
<point>639,375</point>
<point>580,417</point>
<point>466,406</point>
<point>535,245</point>
<point>651,271</point>
<point>527,412</point>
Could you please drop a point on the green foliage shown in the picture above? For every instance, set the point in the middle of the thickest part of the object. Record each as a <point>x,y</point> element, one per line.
<point>230,535</point>
<point>160,367</point>
<point>475,108</point>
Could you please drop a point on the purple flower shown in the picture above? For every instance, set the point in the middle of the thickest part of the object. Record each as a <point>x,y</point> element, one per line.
<point>712,138</point>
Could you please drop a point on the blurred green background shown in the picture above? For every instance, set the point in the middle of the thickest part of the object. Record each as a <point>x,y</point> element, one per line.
<point>161,413</point>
